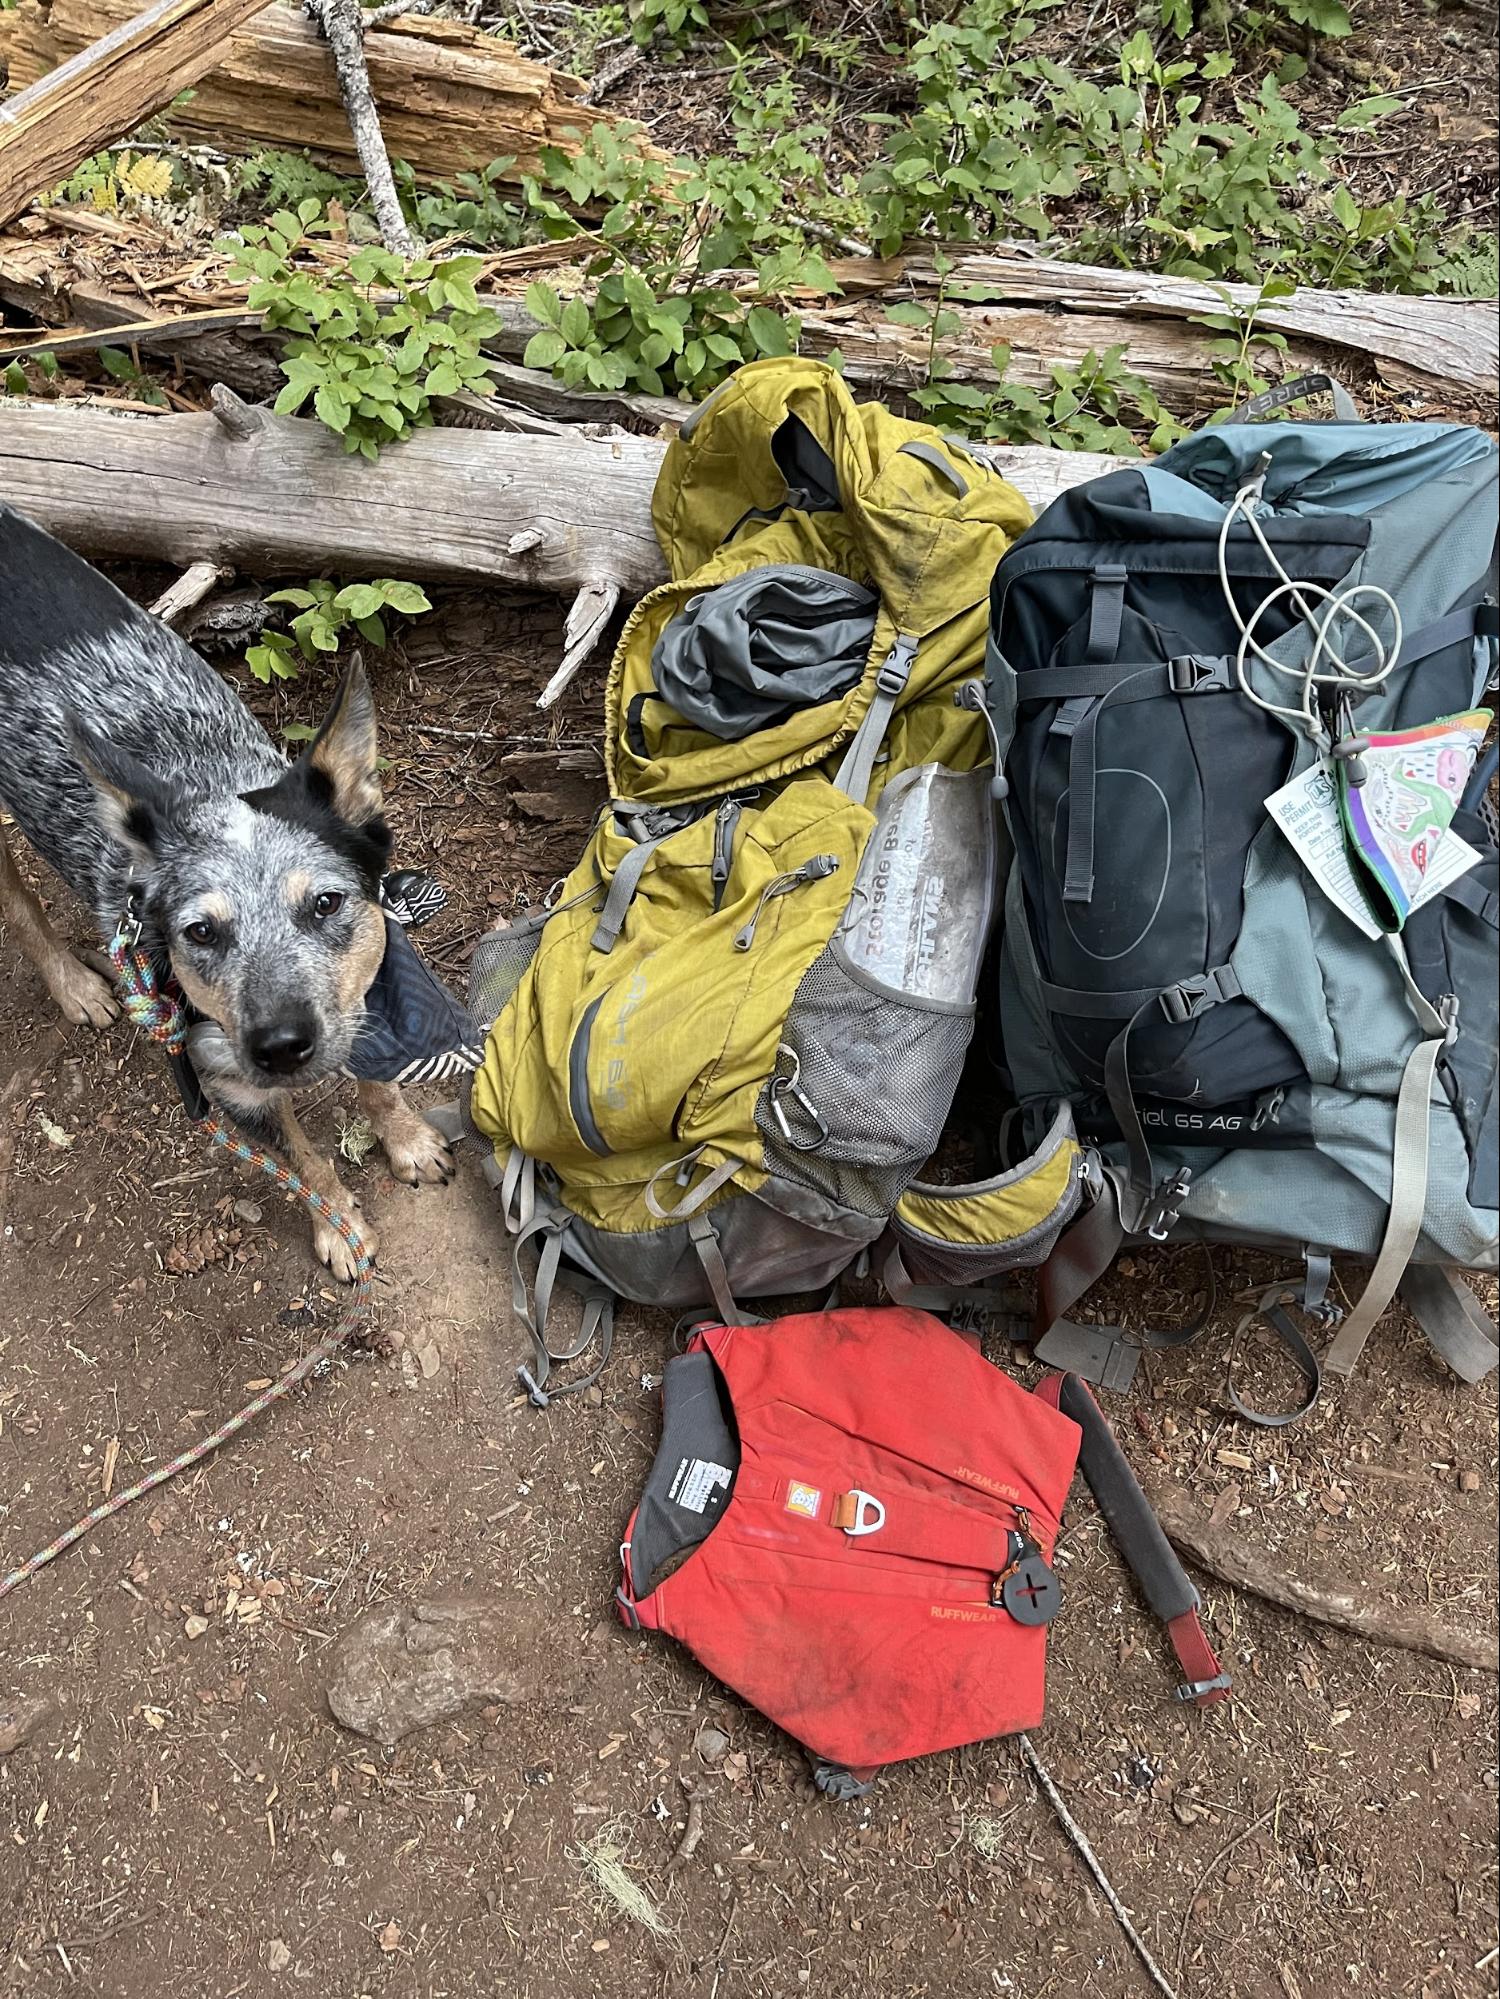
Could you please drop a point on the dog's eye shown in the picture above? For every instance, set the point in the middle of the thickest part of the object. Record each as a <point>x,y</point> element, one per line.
<point>200,933</point>
<point>328,904</point>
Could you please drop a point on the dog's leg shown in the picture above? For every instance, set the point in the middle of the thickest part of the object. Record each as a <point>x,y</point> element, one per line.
<point>416,1152</point>
<point>269,1122</point>
<point>82,993</point>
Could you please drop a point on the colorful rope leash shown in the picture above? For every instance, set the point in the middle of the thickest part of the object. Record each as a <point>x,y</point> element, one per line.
<point>158,1014</point>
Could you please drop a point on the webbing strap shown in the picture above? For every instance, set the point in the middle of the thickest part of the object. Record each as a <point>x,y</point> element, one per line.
<point>1271,1307</point>
<point>1409,1155</point>
<point>1104,1354</point>
<point>518,1190</point>
<point>690,1203</point>
<point>532,1304</point>
<point>1470,621</point>
<point>1139,1535</point>
<point>1083,1005</point>
<point>930,455</point>
<point>1083,778</point>
<point>1452,1318</point>
<point>1127,680</point>
<point>858,766</point>
<point>1180,1003</point>
<point>705,1240</point>
<point>1476,898</point>
<point>1271,400</point>
<point>1008,1308</point>
<point>622,891</point>
<point>1106,612</point>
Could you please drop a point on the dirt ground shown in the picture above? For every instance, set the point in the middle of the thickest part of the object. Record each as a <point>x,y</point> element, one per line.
<point>191,1823</point>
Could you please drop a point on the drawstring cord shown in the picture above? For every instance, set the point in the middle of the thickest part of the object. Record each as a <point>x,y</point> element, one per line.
<point>159,1013</point>
<point>1337,609</point>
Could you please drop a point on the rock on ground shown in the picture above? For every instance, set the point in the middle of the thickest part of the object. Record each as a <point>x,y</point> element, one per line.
<point>404,1667</point>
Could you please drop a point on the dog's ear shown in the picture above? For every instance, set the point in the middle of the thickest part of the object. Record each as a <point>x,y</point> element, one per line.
<point>340,765</point>
<point>134,807</point>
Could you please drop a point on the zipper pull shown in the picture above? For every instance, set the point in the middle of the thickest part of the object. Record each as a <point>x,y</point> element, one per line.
<point>726,819</point>
<point>817,869</point>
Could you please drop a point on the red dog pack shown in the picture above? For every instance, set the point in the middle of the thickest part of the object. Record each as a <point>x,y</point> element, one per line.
<point>850,1521</point>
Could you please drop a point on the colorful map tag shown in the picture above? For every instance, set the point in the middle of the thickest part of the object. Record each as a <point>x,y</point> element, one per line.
<point>1397,821</point>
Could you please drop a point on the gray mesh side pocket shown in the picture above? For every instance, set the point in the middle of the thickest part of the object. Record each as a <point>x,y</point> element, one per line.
<point>875,1037</point>
<point>500,961</point>
<point>863,1084</point>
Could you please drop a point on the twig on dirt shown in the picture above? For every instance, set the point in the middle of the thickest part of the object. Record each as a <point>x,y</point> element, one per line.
<point>343,28</point>
<point>454,735</point>
<point>613,74</point>
<point>191,587</point>
<point>1075,1833</point>
<point>1212,1868</point>
<point>687,1846</point>
<point>850,245</point>
<point>88,1938</point>
<point>1226,1557</point>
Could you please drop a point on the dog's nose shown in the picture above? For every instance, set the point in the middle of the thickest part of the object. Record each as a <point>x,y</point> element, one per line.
<point>283,1048</point>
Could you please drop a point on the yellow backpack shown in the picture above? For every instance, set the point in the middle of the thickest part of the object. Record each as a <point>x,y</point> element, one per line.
<point>719,1060</point>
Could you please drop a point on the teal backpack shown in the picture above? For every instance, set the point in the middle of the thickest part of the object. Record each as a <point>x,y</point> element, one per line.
<point>1303,612</point>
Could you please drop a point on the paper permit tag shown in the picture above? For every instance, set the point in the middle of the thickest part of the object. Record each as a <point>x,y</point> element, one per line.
<point>1307,811</point>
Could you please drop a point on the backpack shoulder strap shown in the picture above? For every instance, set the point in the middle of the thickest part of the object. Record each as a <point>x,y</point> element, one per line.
<point>1138,1532</point>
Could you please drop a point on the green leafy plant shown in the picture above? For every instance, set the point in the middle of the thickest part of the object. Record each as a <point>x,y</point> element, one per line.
<point>326,612</point>
<point>276,179</point>
<point>648,321</point>
<point>673,20</point>
<point>1253,24</point>
<point>472,206</point>
<point>1098,404</point>
<point>372,342</point>
<point>128,372</point>
<point>626,336</point>
<point>1004,139</point>
<point>1240,334</point>
<point>35,377</point>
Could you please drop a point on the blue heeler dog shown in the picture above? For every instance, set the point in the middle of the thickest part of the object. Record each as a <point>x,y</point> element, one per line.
<point>131,766</point>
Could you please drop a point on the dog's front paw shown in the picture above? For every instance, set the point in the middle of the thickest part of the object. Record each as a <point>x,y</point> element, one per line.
<point>419,1155</point>
<point>82,994</point>
<point>331,1248</point>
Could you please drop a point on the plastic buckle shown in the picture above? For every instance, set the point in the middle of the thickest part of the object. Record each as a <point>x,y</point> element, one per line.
<point>1167,1204</point>
<point>869,1514</point>
<point>1194,1690</point>
<point>1180,1002</point>
<point>1190,675</point>
<point>892,679</point>
<point>1447,1008</point>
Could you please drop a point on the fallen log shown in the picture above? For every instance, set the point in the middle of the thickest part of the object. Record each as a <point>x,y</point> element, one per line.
<point>451,99</point>
<point>278,496</point>
<point>106,89</point>
<point>1228,1557</point>
<point>1446,340</point>
<point>1170,355</point>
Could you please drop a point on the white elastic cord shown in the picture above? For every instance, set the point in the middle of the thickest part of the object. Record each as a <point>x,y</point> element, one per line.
<point>1323,609</point>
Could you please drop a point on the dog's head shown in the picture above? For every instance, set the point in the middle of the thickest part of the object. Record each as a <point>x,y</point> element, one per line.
<point>266,902</point>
